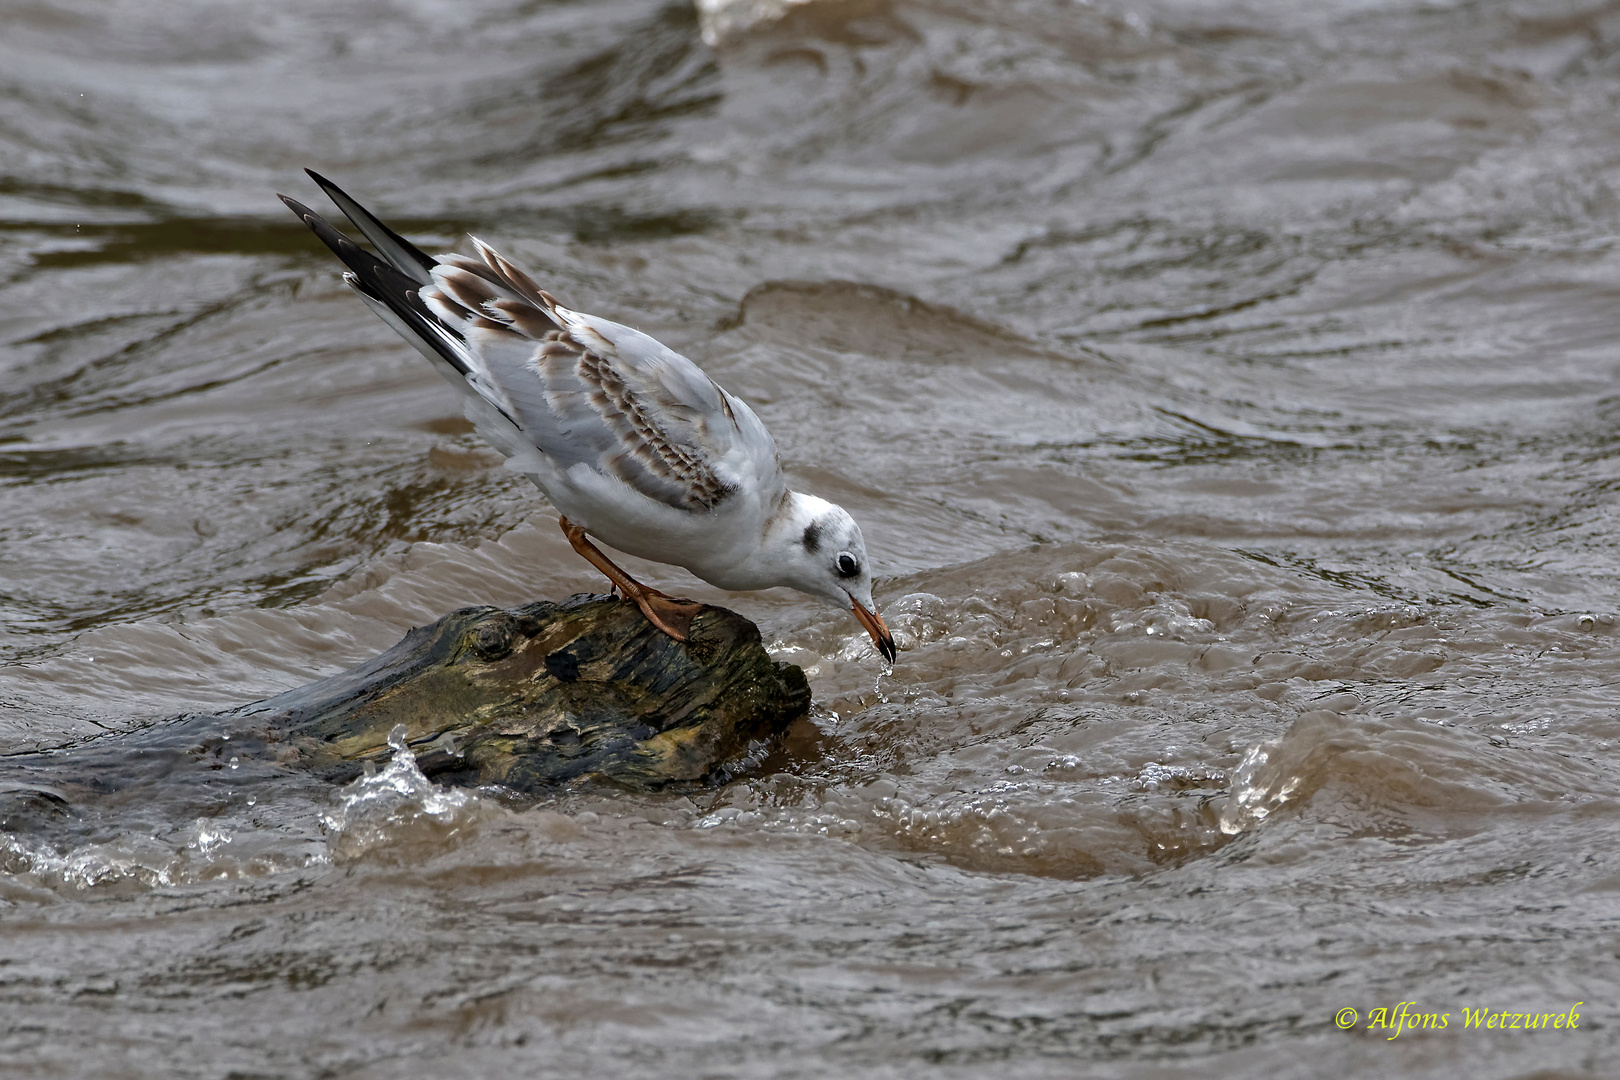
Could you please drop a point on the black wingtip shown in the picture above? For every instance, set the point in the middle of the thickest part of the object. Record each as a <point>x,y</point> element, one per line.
<point>341,245</point>
<point>392,247</point>
<point>333,192</point>
<point>380,279</point>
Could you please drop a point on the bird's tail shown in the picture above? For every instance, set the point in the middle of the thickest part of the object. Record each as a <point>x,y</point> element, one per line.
<point>391,281</point>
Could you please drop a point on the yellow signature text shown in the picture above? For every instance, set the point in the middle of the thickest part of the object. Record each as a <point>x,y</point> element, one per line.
<point>1407,1016</point>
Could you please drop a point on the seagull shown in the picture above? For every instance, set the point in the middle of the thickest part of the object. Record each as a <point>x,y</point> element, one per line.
<point>630,441</point>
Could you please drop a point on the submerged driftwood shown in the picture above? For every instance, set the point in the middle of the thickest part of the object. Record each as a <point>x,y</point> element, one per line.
<point>526,699</point>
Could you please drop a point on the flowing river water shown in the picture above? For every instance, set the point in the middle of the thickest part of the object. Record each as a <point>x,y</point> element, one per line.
<point>1229,393</point>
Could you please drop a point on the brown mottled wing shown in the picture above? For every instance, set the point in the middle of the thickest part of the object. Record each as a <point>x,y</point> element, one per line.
<point>591,392</point>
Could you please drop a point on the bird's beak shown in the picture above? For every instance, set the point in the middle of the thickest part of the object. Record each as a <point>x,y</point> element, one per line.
<point>874,626</point>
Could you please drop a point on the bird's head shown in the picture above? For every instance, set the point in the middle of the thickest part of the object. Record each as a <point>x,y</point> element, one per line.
<point>826,558</point>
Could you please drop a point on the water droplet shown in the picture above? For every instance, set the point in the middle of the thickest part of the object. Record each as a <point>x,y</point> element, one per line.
<point>235,763</point>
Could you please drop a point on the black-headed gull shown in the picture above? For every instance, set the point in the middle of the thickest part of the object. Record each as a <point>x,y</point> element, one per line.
<point>630,441</point>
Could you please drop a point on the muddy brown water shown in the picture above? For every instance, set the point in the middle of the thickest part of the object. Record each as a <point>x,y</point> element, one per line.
<point>1228,393</point>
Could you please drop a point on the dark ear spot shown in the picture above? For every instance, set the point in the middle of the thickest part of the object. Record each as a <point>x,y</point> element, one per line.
<point>812,537</point>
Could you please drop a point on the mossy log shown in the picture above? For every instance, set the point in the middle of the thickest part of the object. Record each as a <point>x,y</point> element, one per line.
<point>526,699</point>
<point>545,693</point>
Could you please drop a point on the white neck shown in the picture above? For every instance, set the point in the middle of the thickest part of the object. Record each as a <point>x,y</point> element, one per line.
<point>777,557</point>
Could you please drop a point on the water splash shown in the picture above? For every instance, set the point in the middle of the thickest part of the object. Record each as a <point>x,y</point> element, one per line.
<point>398,814</point>
<point>722,20</point>
<point>204,850</point>
<point>1253,798</point>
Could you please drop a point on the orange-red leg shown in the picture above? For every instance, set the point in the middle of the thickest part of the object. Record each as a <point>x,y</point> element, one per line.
<point>674,617</point>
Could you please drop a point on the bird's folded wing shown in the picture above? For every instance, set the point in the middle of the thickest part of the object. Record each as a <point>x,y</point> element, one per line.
<point>539,378</point>
<point>592,392</point>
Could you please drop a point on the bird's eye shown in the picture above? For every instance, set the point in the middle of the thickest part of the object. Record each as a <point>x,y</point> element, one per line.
<point>847,566</point>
